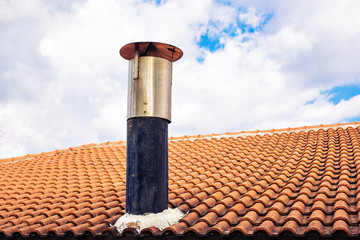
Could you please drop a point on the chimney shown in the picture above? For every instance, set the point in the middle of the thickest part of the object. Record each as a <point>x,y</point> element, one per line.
<point>148,116</point>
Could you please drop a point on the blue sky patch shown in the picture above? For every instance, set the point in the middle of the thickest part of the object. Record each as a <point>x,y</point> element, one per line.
<point>156,2</point>
<point>224,2</point>
<point>310,102</point>
<point>350,120</point>
<point>342,93</point>
<point>215,30</point>
<point>247,28</point>
<point>210,42</point>
<point>198,59</point>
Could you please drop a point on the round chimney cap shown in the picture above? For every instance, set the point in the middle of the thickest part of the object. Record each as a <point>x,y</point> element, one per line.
<point>155,49</point>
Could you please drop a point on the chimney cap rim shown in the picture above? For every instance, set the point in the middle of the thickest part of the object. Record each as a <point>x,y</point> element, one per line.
<point>155,49</point>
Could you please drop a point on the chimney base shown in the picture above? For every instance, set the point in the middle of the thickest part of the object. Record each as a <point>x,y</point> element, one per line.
<point>161,220</point>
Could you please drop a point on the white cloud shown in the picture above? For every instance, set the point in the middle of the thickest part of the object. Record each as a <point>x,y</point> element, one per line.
<point>250,17</point>
<point>64,83</point>
<point>17,10</point>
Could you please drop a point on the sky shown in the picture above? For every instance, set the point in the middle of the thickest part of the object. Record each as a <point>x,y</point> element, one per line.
<point>247,65</point>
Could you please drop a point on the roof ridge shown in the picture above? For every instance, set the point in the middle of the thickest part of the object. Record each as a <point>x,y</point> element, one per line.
<point>57,151</point>
<point>263,132</point>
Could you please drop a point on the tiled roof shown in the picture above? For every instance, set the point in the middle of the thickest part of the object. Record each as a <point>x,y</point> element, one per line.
<point>281,182</point>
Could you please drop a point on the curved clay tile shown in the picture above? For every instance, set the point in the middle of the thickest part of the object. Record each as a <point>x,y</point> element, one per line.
<point>318,227</point>
<point>273,216</point>
<point>275,187</point>
<point>191,218</point>
<point>201,209</point>
<point>209,202</point>
<point>293,227</point>
<point>231,217</point>
<point>341,225</point>
<point>341,204</point>
<point>268,227</point>
<point>219,209</point>
<point>48,220</point>
<point>319,205</point>
<point>79,229</point>
<point>344,188</point>
<point>329,178</point>
<point>252,217</point>
<point>150,231</point>
<point>245,227</point>
<point>341,214</point>
<point>222,227</point>
<point>201,195</point>
<point>278,206</point>
<point>299,205</point>
<point>295,215</point>
<point>60,230</point>
<point>44,230</point>
<point>318,215</point>
<point>97,229</point>
<point>264,199</point>
<point>325,190</point>
<point>64,220</point>
<point>322,197</point>
<point>177,229</point>
<point>199,229</point>
<point>257,207</point>
<point>283,199</point>
<point>246,200</point>
<point>210,218</point>
<point>227,202</point>
<point>252,194</point>
<point>25,231</point>
<point>239,208</point>
<point>342,196</point>
<point>234,194</point>
<point>130,232</point>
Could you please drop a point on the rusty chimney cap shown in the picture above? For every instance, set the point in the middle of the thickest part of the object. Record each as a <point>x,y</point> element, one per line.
<point>155,49</point>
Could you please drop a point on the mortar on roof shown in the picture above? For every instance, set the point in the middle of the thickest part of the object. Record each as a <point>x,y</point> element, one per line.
<point>161,220</point>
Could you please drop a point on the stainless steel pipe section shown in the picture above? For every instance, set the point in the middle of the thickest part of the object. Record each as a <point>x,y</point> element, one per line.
<point>149,93</point>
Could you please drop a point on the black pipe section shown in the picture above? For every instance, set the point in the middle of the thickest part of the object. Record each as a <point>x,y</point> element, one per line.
<point>147,165</point>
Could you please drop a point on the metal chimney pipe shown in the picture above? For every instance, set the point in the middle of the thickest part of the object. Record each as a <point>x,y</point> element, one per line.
<point>148,116</point>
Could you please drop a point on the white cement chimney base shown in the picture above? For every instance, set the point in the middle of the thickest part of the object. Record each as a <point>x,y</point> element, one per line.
<point>161,220</point>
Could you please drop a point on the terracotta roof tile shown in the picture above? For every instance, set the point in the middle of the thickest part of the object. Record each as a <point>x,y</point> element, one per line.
<point>298,181</point>
<point>199,228</point>
<point>222,227</point>
<point>177,229</point>
<point>191,218</point>
<point>245,227</point>
<point>201,209</point>
<point>210,218</point>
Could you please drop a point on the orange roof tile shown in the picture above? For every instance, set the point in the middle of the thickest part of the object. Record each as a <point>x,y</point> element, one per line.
<point>296,181</point>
